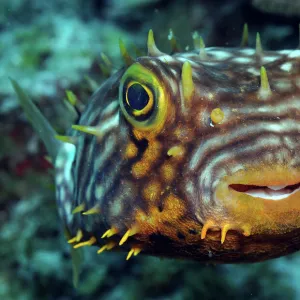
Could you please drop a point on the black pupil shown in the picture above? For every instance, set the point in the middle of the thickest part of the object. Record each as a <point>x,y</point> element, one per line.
<point>137,96</point>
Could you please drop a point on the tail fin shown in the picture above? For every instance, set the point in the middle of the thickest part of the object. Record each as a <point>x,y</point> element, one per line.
<point>38,121</point>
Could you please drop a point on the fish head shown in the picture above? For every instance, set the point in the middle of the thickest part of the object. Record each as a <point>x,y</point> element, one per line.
<point>191,149</point>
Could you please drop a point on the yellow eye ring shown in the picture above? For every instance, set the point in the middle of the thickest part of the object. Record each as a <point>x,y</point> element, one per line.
<point>148,114</point>
<point>143,95</point>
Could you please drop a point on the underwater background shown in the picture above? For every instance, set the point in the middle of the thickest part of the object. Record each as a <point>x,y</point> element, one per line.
<point>51,46</point>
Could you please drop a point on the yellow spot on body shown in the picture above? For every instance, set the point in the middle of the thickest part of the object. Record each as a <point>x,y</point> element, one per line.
<point>217,116</point>
<point>170,219</point>
<point>175,205</point>
<point>176,151</point>
<point>142,167</point>
<point>90,242</point>
<point>131,150</point>
<point>77,238</point>
<point>187,81</point>
<point>148,222</point>
<point>152,191</point>
<point>153,150</point>
<point>168,172</point>
<point>78,208</point>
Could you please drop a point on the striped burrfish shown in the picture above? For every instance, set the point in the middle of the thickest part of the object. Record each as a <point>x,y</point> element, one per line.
<point>192,155</point>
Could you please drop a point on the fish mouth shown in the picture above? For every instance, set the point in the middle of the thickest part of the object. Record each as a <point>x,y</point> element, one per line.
<point>274,192</point>
<point>266,199</point>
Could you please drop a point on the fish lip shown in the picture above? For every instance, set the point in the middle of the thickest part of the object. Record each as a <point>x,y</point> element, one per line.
<point>251,180</point>
<point>275,193</point>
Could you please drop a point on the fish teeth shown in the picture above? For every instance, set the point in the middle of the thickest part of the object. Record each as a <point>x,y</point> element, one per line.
<point>276,187</point>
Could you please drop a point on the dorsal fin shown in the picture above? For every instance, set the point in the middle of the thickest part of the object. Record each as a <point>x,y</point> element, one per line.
<point>38,121</point>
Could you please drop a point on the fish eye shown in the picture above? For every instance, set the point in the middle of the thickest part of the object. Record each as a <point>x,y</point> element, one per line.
<point>143,99</point>
<point>138,100</point>
<point>137,96</point>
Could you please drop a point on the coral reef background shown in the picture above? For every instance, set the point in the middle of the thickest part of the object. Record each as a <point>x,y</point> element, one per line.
<point>50,46</point>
